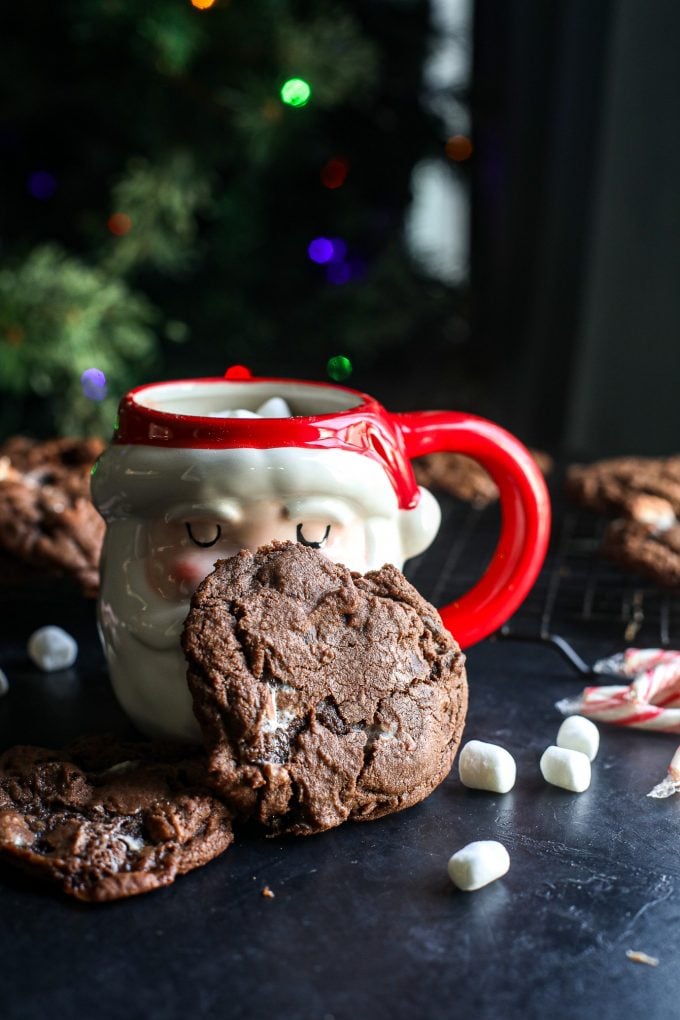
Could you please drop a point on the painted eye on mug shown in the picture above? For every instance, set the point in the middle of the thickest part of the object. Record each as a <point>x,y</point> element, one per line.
<point>312,545</point>
<point>208,537</point>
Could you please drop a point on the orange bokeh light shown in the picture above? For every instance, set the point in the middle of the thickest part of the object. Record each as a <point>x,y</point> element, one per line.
<point>119,224</point>
<point>459,148</point>
<point>202,5</point>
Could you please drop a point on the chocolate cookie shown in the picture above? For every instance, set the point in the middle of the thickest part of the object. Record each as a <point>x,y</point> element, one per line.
<point>645,489</point>
<point>108,820</point>
<point>654,554</point>
<point>322,694</point>
<point>46,517</point>
<point>463,477</point>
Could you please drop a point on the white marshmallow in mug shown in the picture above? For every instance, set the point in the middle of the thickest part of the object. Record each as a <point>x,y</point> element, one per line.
<point>570,770</point>
<point>478,864</point>
<point>274,407</point>
<point>483,766</point>
<point>579,734</point>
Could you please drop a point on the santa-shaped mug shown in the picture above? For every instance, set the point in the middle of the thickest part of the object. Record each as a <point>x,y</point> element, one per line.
<point>193,475</point>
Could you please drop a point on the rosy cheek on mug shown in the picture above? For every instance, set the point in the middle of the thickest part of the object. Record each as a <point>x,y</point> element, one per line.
<point>176,573</point>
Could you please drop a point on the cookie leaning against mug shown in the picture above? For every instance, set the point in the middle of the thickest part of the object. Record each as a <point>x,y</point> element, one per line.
<point>322,694</point>
<point>46,516</point>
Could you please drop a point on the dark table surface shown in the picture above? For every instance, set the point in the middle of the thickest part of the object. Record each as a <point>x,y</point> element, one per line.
<point>365,921</point>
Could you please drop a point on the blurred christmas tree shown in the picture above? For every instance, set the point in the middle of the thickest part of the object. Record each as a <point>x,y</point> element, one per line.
<point>191,183</point>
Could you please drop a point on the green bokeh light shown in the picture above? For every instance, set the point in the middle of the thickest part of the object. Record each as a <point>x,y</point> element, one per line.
<point>295,92</point>
<point>339,367</point>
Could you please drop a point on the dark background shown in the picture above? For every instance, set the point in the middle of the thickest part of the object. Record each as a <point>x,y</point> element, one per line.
<point>567,327</point>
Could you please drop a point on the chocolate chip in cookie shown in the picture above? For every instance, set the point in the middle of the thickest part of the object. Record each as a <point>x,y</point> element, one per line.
<point>323,695</point>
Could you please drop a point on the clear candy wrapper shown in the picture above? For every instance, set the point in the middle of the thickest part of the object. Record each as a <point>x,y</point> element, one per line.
<point>671,784</point>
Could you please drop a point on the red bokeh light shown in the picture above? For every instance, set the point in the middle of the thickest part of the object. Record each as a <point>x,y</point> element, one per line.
<point>334,172</point>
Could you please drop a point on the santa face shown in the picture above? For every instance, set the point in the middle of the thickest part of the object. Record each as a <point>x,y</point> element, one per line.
<point>183,549</point>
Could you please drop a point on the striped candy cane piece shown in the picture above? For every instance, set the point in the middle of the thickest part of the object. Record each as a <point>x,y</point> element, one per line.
<point>650,702</point>
<point>634,661</point>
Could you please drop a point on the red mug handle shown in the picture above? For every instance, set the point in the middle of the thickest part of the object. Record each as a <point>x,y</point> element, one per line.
<point>525,510</point>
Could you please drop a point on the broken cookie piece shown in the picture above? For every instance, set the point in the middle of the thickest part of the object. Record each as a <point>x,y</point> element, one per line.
<point>107,820</point>
<point>322,694</point>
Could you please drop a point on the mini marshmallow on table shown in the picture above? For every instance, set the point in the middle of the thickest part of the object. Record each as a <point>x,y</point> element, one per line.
<point>483,766</point>
<point>570,770</point>
<point>579,734</point>
<point>51,648</point>
<point>478,864</point>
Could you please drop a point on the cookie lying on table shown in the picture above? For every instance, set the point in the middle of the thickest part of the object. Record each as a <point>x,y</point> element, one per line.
<point>46,517</point>
<point>322,694</point>
<point>107,820</point>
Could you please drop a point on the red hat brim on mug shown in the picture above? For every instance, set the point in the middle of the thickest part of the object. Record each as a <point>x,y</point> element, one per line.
<point>180,414</point>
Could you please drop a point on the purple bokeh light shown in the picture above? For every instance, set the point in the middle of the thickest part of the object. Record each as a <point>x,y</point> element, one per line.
<point>320,250</point>
<point>42,185</point>
<point>93,382</point>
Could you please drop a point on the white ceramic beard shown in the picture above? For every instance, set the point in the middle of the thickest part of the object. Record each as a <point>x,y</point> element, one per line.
<point>135,486</point>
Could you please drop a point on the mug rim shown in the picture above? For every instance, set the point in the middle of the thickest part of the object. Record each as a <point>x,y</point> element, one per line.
<point>130,400</point>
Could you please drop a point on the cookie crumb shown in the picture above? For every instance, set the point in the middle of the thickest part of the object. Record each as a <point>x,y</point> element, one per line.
<point>268,894</point>
<point>637,957</point>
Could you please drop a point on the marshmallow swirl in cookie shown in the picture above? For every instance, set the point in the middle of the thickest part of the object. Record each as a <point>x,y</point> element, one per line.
<point>322,694</point>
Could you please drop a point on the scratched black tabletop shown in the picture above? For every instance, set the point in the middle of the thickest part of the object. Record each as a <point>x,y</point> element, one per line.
<point>364,920</point>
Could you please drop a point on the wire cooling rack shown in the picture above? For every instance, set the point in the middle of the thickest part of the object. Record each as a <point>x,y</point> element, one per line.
<point>578,594</point>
